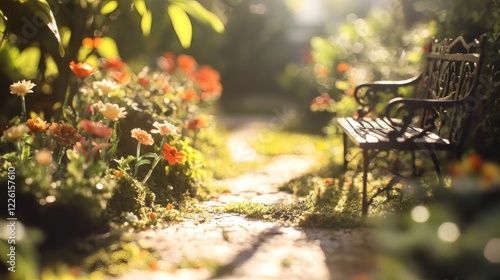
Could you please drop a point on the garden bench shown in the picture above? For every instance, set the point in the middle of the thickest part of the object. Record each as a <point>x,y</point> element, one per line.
<point>436,119</point>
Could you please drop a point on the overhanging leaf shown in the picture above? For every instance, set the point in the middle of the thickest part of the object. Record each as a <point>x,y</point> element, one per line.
<point>140,7</point>
<point>109,7</point>
<point>146,22</point>
<point>182,24</point>
<point>42,9</point>
<point>198,12</point>
<point>108,48</point>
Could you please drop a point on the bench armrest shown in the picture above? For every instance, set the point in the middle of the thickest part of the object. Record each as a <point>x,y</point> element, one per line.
<point>401,112</point>
<point>368,95</point>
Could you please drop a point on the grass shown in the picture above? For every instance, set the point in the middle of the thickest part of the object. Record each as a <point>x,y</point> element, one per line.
<point>277,142</point>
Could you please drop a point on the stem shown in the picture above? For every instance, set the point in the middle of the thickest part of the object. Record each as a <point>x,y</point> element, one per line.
<point>157,159</point>
<point>61,154</point>
<point>137,158</point>
<point>23,103</point>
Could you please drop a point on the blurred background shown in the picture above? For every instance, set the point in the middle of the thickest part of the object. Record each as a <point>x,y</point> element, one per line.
<point>270,53</point>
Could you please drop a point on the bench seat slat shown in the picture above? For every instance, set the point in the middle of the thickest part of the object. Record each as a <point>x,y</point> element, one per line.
<point>370,133</point>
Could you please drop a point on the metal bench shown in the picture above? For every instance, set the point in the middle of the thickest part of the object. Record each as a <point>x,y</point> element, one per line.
<point>436,119</point>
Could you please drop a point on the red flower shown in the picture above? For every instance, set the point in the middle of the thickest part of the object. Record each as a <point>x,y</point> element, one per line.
<point>144,81</point>
<point>64,134</point>
<point>172,155</point>
<point>196,123</point>
<point>152,215</point>
<point>82,69</point>
<point>96,128</point>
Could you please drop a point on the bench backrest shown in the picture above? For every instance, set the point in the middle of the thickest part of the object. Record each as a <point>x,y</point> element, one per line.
<point>451,72</point>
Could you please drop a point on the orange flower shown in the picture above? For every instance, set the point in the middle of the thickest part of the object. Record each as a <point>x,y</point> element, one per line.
<point>115,64</point>
<point>96,128</point>
<point>142,136</point>
<point>475,162</point>
<point>64,134</point>
<point>328,181</point>
<point>171,155</point>
<point>321,71</point>
<point>37,125</point>
<point>91,43</point>
<point>208,79</point>
<point>118,173</point>
<point>321,102</point>
<point>343,67</point>
<point>196,123</point>
<point>152,215</point>
<point>186,64</point>
<point>189,94</point>
<point>350,92</point>
<point>153,266</point>
<point>169,206</point>
<point>82,69</point>
<point>121,77</point>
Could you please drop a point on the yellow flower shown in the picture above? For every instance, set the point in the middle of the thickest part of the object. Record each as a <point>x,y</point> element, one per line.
<point>105,86</point>
<point>22,88</point>
<point>111,111</point>
<point>142,136</point>
<point>165,128</point>
<point>44,157</point>
<point>16,132</point>
<point>37,125</point>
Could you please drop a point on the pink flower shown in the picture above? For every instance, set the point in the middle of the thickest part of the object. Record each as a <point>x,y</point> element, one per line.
<point>142,136</point>
<point>96,128</point>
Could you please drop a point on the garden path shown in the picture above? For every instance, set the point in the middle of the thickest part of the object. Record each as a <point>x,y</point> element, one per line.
<point>230,246</point>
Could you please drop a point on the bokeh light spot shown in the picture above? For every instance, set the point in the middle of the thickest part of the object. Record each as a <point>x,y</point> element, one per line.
<point>420,214</point>
<point>492,250</point>
<point>448,232</point>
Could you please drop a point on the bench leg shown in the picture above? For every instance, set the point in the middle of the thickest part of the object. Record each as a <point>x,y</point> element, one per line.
<point>364,205</point>
<point>344,138</point>
<point>437,168</point>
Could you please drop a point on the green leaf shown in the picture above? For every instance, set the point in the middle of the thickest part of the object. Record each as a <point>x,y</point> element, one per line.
<point>142,162</point>
<point>150,155</point>
<point>182,25</point>
<point>109,7</point>
<point>146,22</point>
<point>108,48</point>
<point>198,12</point>
<point>42,9</point>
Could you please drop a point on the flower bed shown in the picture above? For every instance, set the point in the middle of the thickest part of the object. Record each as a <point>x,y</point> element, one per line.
<point>120,150</point>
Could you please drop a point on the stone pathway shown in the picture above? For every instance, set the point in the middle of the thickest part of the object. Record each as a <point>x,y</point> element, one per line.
<point>229,246</point>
